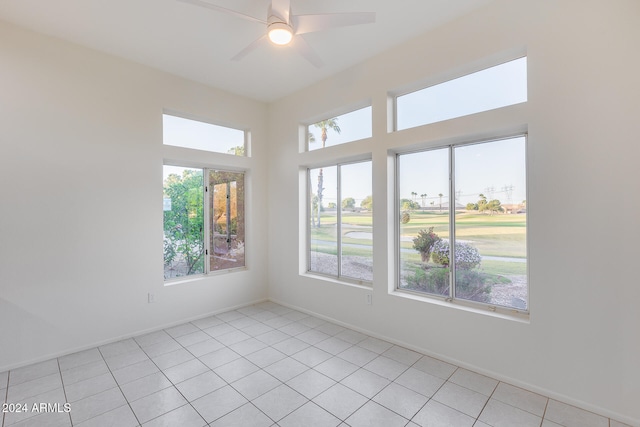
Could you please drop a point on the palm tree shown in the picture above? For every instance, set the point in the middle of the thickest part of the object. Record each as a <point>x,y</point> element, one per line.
<point>423,197</point>
<point>440,195</point>
<point>323,125</point>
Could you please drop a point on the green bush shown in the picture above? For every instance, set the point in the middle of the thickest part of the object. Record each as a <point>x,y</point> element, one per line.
<point>470,284</point>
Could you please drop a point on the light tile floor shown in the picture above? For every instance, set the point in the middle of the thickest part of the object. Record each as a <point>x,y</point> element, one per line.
<point>268,365</point>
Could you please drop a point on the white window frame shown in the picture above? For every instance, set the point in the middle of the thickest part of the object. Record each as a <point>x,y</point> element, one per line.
<point>309,184</point>
<point>451,299</point>
<point>207,224</point>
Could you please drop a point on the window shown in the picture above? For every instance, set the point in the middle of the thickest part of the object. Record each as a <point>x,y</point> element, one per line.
<point>462,220</point>
<point>495,87</point>
<point>340,221</point>
<point>339,130</point>
<point>181,132</point>
<point>192,245</point>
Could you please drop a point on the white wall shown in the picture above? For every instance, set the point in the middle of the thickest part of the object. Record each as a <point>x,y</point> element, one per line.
<point>81,159</point>
<point>581,344</point>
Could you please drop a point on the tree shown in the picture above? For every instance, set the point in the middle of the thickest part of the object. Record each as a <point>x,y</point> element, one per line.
<point>367,203</point>
<point>494,206</point>
<point>472,207</point>
<point>408,205</point>
<point>440,195</point>
<point>236,151</point>
<point>331,205</point>
<point>482,203</point>
<point>184,223</point>
<point>348,203</point>
<point>324,126</point>
<point>423,196</point>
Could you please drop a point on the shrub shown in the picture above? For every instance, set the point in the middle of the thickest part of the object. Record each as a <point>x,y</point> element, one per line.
<point>467,256</point>
<point>432,280</point>
<point>470,284</point>
<point>424,243</point>
<point>405,217</point>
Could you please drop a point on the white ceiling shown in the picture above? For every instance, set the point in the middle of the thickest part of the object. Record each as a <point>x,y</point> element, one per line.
<point>197,43</point>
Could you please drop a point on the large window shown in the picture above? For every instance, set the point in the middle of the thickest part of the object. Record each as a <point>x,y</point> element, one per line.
<point>340,208</point>
<point>462,221</point>
<point>495,87</point>
<point>187,133</point>
<point>339,130</point>
<point>193,245</point>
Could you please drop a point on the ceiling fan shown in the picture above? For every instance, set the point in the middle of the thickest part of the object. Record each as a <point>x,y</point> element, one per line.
<point>284,28</point>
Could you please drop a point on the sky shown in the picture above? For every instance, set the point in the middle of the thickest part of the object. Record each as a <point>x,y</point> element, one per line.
<point>495,169</point>
<point>499,86</point>
<point>353,126</point>
<point>199,135</point>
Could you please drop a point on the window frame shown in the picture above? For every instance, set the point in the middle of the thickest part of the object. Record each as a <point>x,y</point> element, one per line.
<point>207,230</point>
<point>451,299</point>
<point>309,193</point>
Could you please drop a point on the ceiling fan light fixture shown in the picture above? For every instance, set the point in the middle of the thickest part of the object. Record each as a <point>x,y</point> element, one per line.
<point>280,33</point>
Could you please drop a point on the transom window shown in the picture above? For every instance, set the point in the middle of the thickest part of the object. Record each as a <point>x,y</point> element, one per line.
<point>462,215</point>
<point>495,87</point>
<point>194,134</point>
<point>340,224</point>
<point>340,129</point>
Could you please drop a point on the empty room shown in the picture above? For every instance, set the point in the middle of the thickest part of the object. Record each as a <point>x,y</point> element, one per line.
<point>296,213</point>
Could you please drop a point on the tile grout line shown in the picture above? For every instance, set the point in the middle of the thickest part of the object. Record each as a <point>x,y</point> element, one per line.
<point>64,389</point>
<point>168,379</point>
<point>118,385</point>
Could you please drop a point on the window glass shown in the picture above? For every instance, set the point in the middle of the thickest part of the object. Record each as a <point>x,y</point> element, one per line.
<point>424,219</point>
<point>340,221</point>
<point>486,254</point>
<point>226,215</point>
<point>341,129</point>
<point>491,223</point>
<point>187,133</point>
<point>356,221</point>
<point>323,220</point>
<point>183,222</point>
<point>495,87</point>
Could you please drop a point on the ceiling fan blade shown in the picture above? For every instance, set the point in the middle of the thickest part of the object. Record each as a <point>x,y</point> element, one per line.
<point>303,24</point>
<point>255,44</point>
<point>303,48</point>
<point>224,10</point>
<point>281,8</point>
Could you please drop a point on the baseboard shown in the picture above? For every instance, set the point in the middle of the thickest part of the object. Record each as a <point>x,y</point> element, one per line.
<point>535,389</point>
<point>124,337</point>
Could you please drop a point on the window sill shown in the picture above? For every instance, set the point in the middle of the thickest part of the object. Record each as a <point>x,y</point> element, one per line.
<point>361,284</point>
<point>201,277</point>
<point>497,312</point>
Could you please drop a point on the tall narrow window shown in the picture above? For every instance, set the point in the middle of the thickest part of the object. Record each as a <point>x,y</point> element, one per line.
<point>340,221</point>
<point>226,208</point>
<point>462,215</point>
<point>183,222</point>
<point>495,87</point>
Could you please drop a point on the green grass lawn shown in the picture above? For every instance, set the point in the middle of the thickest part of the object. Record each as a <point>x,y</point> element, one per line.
<point>499,235</point>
